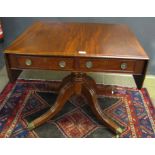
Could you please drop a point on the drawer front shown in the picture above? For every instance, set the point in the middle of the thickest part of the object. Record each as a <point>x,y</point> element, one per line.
<point>110,65</point>
<point>41,62</point>
<point>76,64</point>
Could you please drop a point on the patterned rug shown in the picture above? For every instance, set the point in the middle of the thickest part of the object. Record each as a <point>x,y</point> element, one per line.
<point>24,100</point>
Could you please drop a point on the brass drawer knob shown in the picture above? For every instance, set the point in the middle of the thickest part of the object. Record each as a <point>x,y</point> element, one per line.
<point>62,64</point>
<point>28,62</point>
<point>89,64</point>
<point>123,66</point>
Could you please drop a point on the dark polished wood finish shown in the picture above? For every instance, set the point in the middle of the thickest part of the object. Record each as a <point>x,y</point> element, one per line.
<point>67,39</point>
<point>79,48</point>
<point>76,64</point>
<point>77,84</point>
<point>12,73</point>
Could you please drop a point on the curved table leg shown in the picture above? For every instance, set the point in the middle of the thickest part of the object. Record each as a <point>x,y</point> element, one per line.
<point>90,94</point>
<point>65,93</point>
<point>77,83</point>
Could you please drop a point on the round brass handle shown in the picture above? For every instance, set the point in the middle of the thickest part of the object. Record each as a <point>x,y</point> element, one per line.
<point>62,64</point>
<point>89,64</point>
<point>124,66</point>
<point>28,62</point>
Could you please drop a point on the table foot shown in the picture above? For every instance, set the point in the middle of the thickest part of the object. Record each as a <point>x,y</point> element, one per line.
<point>64,94</point>
<point>90,94</point>
<point>30,126</point>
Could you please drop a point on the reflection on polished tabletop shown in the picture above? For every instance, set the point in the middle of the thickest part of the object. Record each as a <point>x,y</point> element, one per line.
<point>67,39</point>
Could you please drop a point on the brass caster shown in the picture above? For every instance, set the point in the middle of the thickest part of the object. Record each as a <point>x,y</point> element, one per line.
<point>117,136</point>
<point>119,130</point>
<point>30,126</point>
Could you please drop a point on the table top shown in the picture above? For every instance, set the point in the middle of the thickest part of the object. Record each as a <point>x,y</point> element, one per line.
<point>78,40</point>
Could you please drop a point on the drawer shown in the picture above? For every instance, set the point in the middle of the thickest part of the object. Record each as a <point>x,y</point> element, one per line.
<point>41,62</point>
<point>111,65</point>
<point>76,64</point>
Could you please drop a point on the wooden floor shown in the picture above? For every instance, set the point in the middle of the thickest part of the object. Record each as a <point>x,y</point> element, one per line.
<point>108,79</point>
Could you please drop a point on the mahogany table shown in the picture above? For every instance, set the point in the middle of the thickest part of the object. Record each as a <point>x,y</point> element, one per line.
<point>78,48</point>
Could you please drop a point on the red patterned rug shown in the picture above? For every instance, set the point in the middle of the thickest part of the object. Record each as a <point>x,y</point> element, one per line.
<point>24,100</point>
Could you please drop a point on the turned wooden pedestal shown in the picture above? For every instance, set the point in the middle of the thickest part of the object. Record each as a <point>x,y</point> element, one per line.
<point>76,84</point>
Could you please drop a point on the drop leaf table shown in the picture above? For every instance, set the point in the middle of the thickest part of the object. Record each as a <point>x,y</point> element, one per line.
<point>78,48</point>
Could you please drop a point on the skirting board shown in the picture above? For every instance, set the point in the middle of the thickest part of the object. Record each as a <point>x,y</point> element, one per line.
<point>125,80</point>
<point>103,78</point>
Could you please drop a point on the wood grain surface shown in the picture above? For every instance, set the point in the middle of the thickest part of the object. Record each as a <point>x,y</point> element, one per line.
<point>67,39</point>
